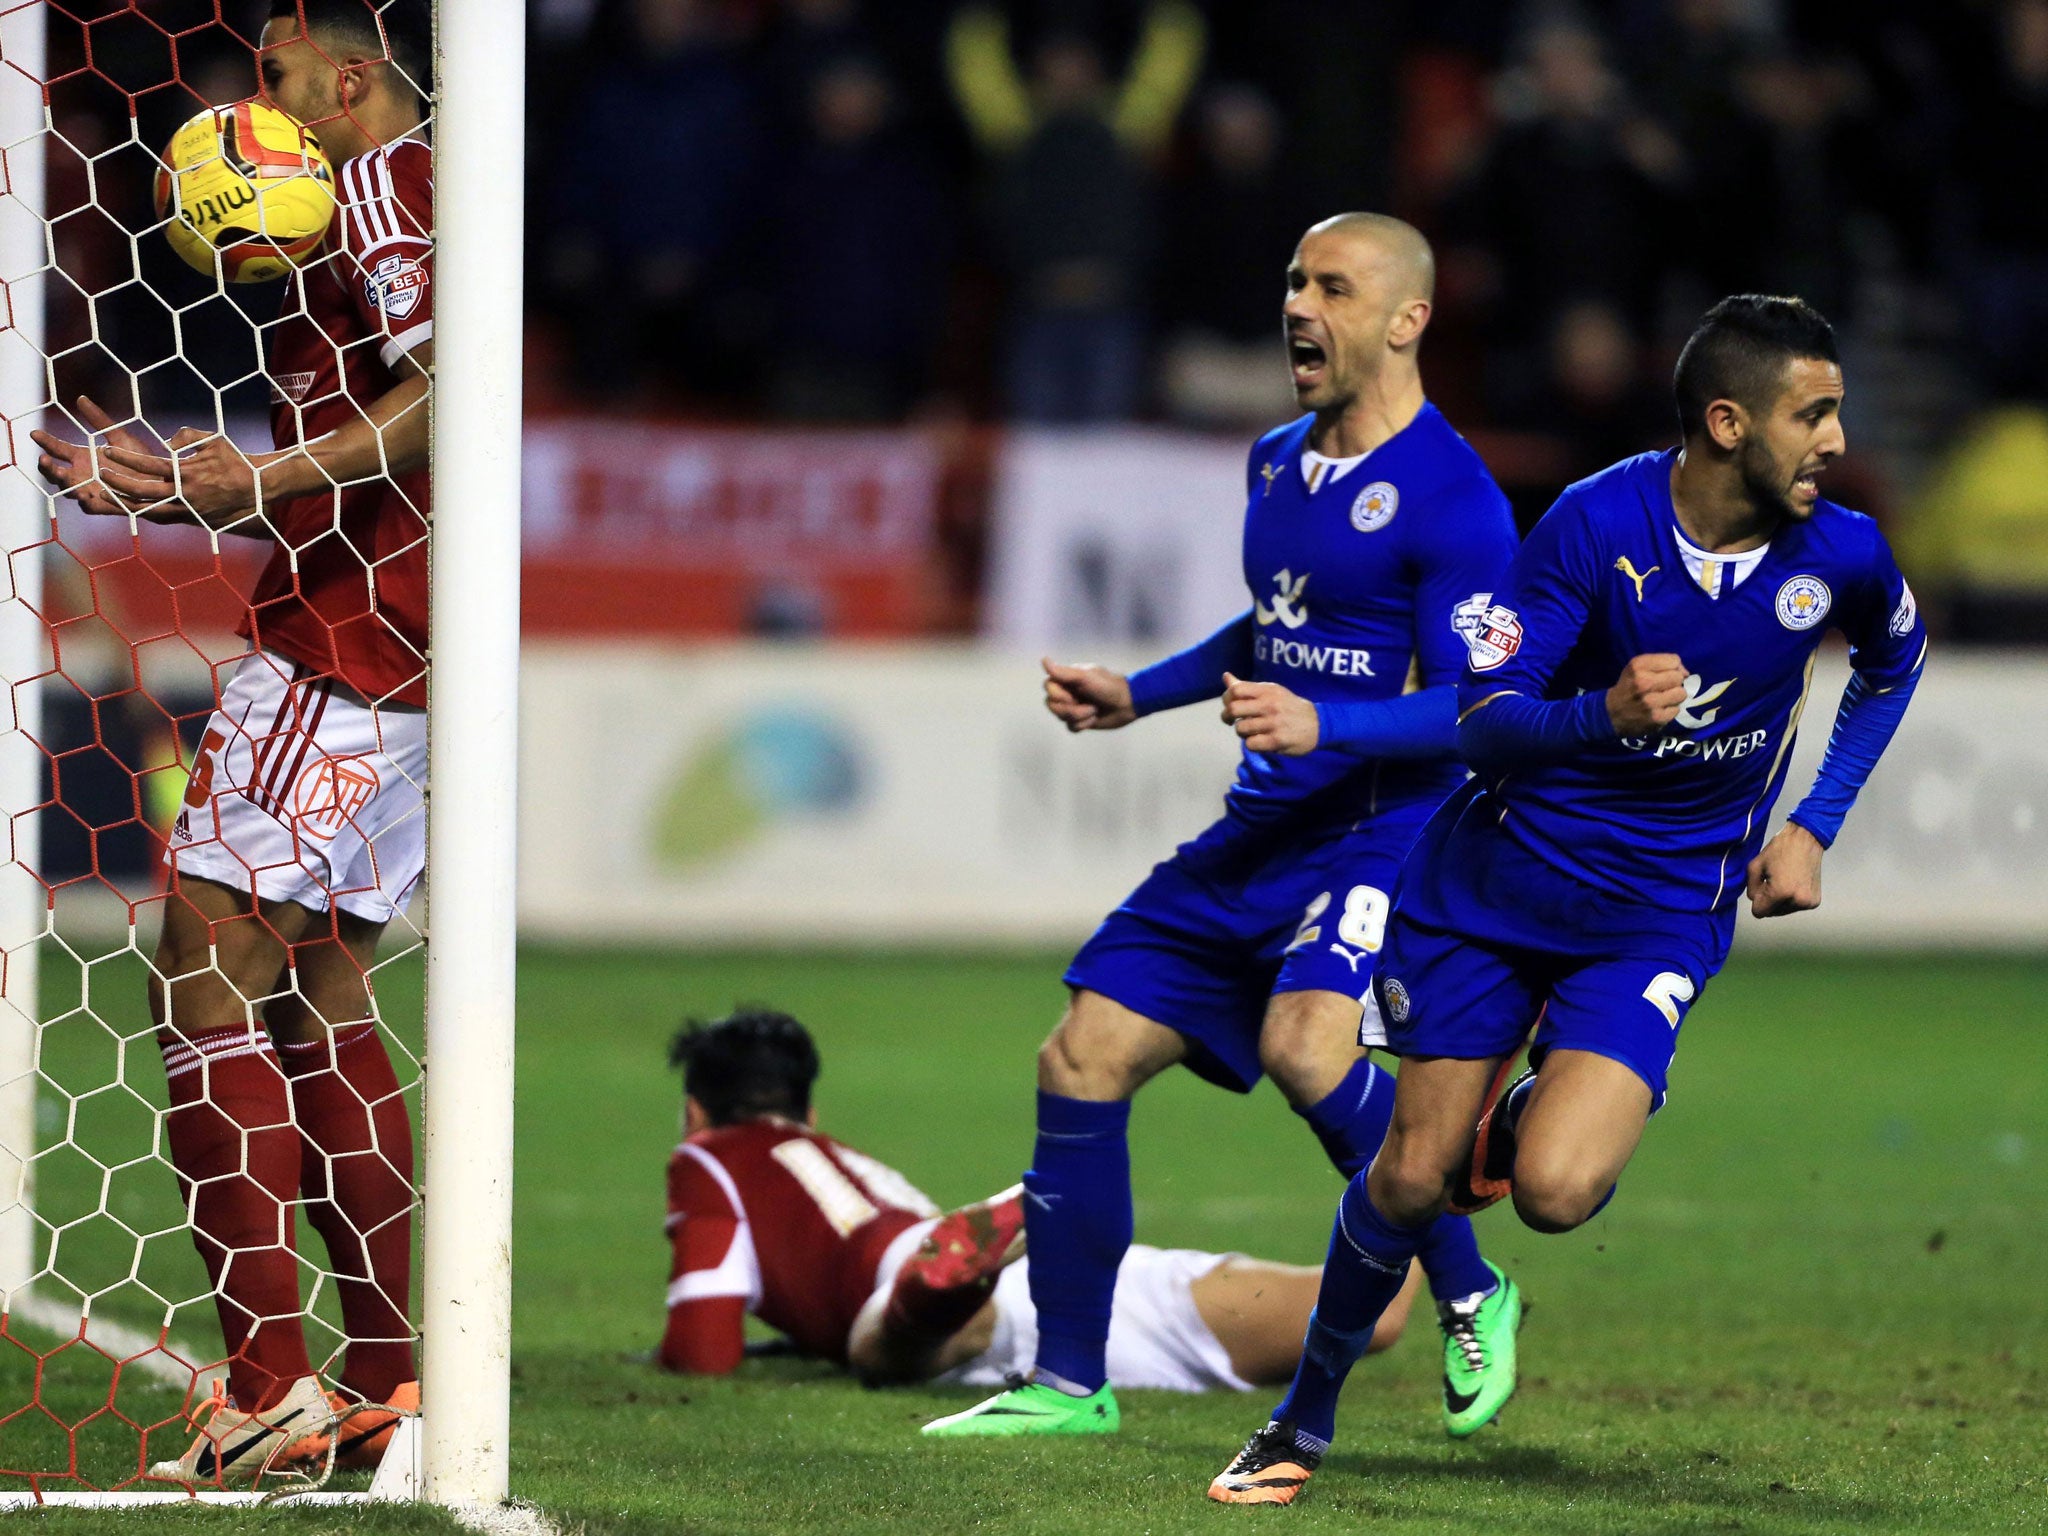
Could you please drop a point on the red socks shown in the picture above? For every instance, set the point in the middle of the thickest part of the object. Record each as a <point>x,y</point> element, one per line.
<point>357,1176</point>
<point>237,1155</point>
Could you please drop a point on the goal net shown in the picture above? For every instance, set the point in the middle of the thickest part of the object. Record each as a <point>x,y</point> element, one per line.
<point>214,970</point>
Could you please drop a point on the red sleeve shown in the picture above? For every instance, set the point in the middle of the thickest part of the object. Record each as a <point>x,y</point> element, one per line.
<point>387,209</point>
<point>710,1273</point>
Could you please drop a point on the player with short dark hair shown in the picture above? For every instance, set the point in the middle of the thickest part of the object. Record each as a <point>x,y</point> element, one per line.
<point>851,1263</point>
<point>1629,710</point>
<point>1374,537</point>
<point>302,832</point>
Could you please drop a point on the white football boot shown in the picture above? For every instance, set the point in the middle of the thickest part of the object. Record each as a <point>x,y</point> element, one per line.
<point>236,1447</point>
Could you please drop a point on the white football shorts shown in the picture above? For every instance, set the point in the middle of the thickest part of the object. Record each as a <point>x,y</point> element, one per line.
<point>1157,1338</point>
<point>301,791</point>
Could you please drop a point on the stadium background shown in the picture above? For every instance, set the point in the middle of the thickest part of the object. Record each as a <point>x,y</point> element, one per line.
<point>874,349</point>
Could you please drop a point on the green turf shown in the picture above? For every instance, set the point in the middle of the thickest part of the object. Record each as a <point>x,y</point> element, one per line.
<point>1812,1308</point>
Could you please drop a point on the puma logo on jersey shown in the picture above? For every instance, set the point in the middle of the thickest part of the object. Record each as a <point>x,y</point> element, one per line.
<point>1348,956</point>
<point>1288,607</point>
<point>1268,474</point>
<point>1627,569</point>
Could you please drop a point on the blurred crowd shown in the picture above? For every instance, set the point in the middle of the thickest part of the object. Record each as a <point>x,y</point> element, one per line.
<point>1055,211</point>
<point>1068,211</point>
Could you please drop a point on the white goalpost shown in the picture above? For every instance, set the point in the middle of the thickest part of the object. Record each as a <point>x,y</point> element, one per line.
<point>456,1452</point>
<point>474,744</point>
<point>23,517</point>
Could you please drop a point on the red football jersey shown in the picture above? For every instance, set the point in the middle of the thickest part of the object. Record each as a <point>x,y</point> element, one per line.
<point>345,591</point>
<point>769,1217</point>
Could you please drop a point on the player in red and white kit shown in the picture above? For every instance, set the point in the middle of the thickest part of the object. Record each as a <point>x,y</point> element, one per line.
<point>851,1263</point>
<point>303,832</point>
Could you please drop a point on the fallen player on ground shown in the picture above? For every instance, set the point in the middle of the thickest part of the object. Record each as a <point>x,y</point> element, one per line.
<point>850,1262</point>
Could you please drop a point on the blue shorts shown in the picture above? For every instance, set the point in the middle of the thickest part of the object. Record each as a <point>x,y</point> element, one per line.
<point>1221,927</point>
<point>1486,940</point>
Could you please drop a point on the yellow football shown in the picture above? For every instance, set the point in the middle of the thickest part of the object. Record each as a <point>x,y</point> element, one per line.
<point>247,191</point>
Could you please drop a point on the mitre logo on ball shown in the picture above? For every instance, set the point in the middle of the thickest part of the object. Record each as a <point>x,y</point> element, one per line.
<point>247,191</point>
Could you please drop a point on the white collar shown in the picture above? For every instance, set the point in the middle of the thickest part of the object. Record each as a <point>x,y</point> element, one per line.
<point>1717,574</point>
<point>1319,470</point>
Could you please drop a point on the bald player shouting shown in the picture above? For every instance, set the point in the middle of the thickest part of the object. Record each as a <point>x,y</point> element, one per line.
<point>1374,537</point>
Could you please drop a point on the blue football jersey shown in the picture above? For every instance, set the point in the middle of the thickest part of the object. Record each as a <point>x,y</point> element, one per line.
<point>1673,819</point>
<point>1354,581</point>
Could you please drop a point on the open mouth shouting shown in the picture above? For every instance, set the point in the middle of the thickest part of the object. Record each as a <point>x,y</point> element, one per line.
<point>1308,361</point>
<point>1806,485</point>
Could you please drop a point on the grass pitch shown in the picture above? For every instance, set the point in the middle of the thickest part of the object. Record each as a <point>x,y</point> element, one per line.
<point>1813,1306</point>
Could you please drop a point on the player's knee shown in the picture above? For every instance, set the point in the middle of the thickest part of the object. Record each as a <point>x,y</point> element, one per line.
<point>1301,1067</point>
<point>1076,1066</point>
<point>1406,1184</point>
<point>1103,1052</point>
<point>1556,1198</point>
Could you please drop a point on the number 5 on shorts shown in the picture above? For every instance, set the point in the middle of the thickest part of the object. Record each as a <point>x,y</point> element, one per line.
<point>1666,992</point>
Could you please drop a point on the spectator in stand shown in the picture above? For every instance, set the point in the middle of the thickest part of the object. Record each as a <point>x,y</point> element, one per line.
<point>1570,206</point>
<point>859,257</point>
<point>1229,230</point>
<point>1072,191</point>
<point>1593,392</point>
<point>2005,135</point>
<point>1757,124</point>
<point>658,163</point>
<point>807,38</point>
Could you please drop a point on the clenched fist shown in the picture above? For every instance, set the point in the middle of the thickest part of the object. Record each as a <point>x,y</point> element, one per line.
<point>1785,877</point>
<point>1270,718</point>
<point>1648,696</point>
<point>1087,698</point>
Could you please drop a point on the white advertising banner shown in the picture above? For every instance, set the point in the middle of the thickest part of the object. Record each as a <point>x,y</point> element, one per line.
<point>798,796</point>
<point>1101,536</point>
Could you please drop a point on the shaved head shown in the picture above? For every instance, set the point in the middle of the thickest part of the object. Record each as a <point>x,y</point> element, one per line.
<point>1401,246</point>
<point>1359,294</point>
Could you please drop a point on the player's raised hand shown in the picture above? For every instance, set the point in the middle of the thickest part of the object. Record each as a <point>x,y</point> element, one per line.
<point>1785,877</point>
<point>1086,697</point>
<point>77,470</point>
<point>1648,696</point>
<point>204,472</point>
<point>1270,718</point>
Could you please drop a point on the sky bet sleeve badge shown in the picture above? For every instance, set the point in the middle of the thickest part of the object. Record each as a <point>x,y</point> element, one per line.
<point>1498,637</point>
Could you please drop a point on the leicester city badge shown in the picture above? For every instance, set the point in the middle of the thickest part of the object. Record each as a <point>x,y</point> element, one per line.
<point>1375,507</point>
<point>1396,998</point>
<point>1803,602</point>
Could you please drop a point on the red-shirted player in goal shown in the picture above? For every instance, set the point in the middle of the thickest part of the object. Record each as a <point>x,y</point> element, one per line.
<point>303,833</point>
<point>848,1260</point>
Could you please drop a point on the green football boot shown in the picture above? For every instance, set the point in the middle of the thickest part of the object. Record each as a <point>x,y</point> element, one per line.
<point>1479,1355</point>
<point>1026,1408</point>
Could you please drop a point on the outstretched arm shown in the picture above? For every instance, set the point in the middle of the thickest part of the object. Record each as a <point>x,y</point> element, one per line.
<point>1195,674</point>
<point>1270,717</point>
<point>205,479</point>
<point>1091,698</point>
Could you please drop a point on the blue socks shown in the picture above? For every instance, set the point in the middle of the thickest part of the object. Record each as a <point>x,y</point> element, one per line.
<point>1368,1260</point>
<point>1351,1122</point>
<point>1449,1255</point>
<point>1077,1225</point>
